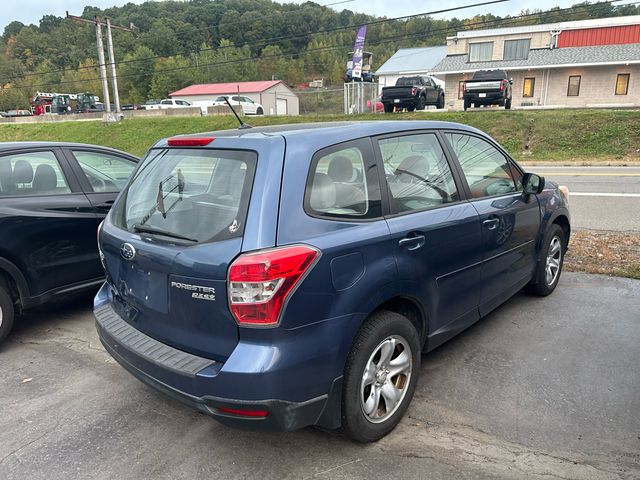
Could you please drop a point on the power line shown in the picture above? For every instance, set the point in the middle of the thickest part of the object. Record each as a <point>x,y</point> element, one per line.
<point>268,41</point>
<point>511,21</point>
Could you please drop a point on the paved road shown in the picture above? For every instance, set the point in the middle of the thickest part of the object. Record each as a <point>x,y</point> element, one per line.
<point>602,198</point>
<point>542,388</point>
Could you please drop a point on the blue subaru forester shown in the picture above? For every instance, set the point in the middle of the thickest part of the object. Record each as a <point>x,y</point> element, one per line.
<point>288,276</point>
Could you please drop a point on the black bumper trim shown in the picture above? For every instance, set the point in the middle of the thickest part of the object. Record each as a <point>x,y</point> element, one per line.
<point>148,348</point>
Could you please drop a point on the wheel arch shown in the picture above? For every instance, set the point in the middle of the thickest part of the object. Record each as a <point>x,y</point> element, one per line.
<point>15,280</point>
<point>563,222</point>
<point>409,308</point>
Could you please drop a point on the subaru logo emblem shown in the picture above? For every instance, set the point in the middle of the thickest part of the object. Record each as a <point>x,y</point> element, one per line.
<point>127,251</point>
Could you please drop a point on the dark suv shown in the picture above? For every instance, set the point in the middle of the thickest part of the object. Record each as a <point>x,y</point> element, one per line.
<point>288,276</point>
<point>52,198</point>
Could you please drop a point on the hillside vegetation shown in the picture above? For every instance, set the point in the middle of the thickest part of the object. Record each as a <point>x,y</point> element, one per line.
<point>560,135</point>
<point>178,43</point>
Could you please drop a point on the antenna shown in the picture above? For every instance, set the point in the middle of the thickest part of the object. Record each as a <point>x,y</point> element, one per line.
<point>242,124</point>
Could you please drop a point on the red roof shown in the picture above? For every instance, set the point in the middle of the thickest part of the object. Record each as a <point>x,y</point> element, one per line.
<point>224,88</point>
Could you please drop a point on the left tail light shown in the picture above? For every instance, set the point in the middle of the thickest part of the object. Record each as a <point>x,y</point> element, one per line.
<point>414,90</point>
<point>502,86</point>
<point>260,283</point>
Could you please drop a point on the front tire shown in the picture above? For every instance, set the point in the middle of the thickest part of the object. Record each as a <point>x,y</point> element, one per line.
<point>259,111</point>
<point>6,313</point>
<point>549,267</point>
<point>380,376</point>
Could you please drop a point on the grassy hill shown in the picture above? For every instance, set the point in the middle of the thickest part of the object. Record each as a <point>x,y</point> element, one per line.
<point>558,135</point>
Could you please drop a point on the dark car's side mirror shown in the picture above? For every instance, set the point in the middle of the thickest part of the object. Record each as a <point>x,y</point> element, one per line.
<point>532,183</point>
<point>511,81</point>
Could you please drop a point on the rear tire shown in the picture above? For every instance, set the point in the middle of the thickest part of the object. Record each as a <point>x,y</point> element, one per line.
<point>411,108</point>
<point>388,108</point>
<point>380,376</point>
<point>507,104</point>
<point>6,313</point>
<point>440,104</point>
<point>547,274</point>
<point>466,105</point>
<point>422,103</point>
<point>259,111</point>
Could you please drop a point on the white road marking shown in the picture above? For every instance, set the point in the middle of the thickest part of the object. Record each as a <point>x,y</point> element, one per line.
<point>603,194</point>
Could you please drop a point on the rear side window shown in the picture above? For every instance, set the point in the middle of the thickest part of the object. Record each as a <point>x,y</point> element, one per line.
<point>200,194</point>
<point>342,183</point>
<point>29,174</point>
<point>106,173</point>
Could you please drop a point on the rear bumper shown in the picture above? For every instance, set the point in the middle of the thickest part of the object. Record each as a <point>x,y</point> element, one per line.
<point>402,102</point>
<point>203,383</point>
<point>490,98</point>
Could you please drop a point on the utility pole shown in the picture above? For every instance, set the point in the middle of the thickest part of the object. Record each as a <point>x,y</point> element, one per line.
<point>103,68</point>
<point>112,62</point>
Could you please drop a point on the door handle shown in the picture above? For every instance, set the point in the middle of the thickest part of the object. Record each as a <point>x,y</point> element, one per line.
<point>491,223</point>
<point>412,243</point>
<point>108,204</point>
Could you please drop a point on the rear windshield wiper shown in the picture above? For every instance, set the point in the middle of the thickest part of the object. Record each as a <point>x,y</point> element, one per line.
<point>158,231</point>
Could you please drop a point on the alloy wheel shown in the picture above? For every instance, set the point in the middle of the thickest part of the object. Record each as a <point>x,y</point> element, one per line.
<point>554,259</point>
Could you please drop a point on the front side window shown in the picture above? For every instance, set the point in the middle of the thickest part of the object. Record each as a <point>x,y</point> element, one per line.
<point>516,49</point>
<point>528,87</point>
<point>340,184</point>
<point>34,173</point>
<point>480,52</point>
<point>622,83</point>
<point>573,89</point>
<point>417,172</point>
<point>197,194</point>
<point>105,172</point>
<point>486,169</point>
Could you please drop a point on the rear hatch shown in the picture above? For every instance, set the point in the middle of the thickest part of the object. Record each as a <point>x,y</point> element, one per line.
<point>169,240</point>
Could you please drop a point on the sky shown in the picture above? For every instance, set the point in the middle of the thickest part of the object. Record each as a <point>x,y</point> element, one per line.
<point>31,11</point>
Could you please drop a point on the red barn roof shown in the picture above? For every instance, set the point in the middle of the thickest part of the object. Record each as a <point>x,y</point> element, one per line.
<point>223,88</point>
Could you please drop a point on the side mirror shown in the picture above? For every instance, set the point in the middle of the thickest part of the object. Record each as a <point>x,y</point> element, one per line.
<point>532,183</point>
<point>511,81</point>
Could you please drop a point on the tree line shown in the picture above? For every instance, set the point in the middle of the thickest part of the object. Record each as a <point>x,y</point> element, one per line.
<point>179,43</point>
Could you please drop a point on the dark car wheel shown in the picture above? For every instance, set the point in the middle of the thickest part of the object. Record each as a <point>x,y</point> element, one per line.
<point>466,105</point>
<point>388,108</point>
<point>411,108</point>
<point>440,103</point>
<point>380,376</point>
<point>422,102</point>
<point>549,267</point>
<point>259,111</point>
<point>6,313</point>
<point>507,104</point>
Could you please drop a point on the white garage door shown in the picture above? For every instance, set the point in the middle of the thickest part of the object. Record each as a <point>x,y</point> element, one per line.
<point>281,106</point>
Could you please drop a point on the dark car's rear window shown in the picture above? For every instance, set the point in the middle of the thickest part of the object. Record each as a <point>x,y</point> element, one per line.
<point>408,81</point>
<point>490,75</point>
<point>202,194</point>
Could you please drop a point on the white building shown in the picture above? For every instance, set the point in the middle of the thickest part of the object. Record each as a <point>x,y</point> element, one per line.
<point>275,97</point>
<point>408,62</point>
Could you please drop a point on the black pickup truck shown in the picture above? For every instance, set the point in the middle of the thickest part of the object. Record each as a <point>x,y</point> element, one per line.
<point>412,93</point>
<point>488,87</point>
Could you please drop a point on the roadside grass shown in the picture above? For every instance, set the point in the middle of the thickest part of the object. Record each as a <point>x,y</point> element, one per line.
<point>609,253</point>
<point>587,136</point>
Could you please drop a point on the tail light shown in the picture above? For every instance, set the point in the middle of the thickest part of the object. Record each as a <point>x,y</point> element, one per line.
<point>244,413</point>
<point>502,86</point>
<point>261,283</point>
<point>414,90</point>
<point>190,141</point>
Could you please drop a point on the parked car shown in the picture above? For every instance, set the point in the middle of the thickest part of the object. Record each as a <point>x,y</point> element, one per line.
<point>52,198</point>
<point>413,93</point>
<point>18,113</point>
<point>150,105</point>
<point>173,103</point>
<point>131,106</point>
<point>287,276</point>
<point>488,87</point>
<point>249,107</point>
<point>377,106</point>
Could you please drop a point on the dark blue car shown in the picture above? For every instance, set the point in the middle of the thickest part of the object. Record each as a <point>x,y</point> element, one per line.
<point>288,276</point>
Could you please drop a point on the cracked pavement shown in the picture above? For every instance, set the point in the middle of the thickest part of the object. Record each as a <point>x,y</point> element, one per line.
<point>541,388</point>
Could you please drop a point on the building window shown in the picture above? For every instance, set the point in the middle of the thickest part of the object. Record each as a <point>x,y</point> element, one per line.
<point>480,52</point>
<point>528,87</point>
<point>573,89</point>
<point>460,89</point>
<point>516,49</point>
<point>622,84</point>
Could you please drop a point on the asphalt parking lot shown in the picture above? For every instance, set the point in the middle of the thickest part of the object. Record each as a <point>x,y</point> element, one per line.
<point>542,388</point>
